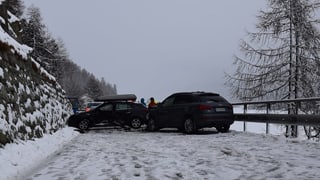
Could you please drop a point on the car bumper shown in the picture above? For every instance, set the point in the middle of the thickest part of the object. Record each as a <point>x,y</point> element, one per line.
<point>214,120</point>
<point>72,123</point>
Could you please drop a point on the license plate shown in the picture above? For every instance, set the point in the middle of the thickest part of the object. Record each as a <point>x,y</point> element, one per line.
<point>220,109</point>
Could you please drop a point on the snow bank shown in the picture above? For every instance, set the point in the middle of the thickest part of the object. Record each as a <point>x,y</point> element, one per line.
<point>18,158</point>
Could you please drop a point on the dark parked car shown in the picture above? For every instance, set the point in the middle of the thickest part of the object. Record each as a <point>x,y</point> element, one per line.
<point>190,111</point>
<point>111,113</point>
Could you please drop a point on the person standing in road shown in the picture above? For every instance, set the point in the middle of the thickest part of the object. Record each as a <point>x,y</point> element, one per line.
<point>152,103</point>
<point>143,102</point>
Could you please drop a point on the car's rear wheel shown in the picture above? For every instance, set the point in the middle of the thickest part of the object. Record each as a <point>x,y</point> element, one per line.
<point>189,126</point>
<point>84,124</point>
<point>151,126</point>
<point>223,129</point>
<point>135,123</point>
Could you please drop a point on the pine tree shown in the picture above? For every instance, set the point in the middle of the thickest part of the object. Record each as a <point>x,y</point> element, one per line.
<point>107,88</point>
<point>93,88</point>
<point>34,34</point>
<point>16,7</point>
<point>281,61</point>
<point>71,79</point>
<point>53,56</point>
<point>49,52</point>
<point>282,58</point>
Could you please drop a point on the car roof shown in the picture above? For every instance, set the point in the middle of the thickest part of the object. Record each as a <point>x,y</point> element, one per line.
<point>197,93</point>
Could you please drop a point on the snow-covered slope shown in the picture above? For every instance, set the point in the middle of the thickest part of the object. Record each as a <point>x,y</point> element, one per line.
<point>32,103</point>
<point>18,158</point>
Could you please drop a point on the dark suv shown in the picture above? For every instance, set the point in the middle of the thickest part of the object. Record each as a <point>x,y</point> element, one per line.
<point>190,111</point>
<point>111,113</point>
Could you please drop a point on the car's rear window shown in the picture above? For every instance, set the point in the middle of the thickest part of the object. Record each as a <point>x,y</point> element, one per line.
<point>212,98</point>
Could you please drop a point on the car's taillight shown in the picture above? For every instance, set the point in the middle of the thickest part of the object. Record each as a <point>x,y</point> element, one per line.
<point>204,107</point>
<point>87,109</point>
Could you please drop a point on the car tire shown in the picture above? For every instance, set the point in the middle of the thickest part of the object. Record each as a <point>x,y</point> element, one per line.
<point>135,123</point>
<point>151,126</point>
<point>189,126</point>
<point>223,129</point>
<point>83,124</point>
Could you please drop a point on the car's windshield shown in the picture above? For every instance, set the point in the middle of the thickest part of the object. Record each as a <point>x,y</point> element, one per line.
<point>94,104</point>
<point>168,101</point>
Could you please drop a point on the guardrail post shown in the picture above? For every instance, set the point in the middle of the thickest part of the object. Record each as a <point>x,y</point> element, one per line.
<point>244,122</point>
<point>292,130</point>
<point>267,124</point>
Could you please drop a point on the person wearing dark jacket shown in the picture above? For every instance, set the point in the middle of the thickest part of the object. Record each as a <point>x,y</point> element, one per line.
<point>143,102</point>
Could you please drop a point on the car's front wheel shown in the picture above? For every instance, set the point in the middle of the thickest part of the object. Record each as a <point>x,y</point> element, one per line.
<point>135,123</point>
<point>189,126</point>
<point>84,124</point>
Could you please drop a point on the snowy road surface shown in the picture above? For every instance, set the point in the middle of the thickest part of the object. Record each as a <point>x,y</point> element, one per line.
<point>116,154</point>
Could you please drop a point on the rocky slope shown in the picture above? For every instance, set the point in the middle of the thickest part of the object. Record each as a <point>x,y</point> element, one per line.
<point>32,103</point>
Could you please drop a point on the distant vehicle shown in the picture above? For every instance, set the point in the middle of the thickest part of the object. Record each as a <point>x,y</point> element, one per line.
<point>92,105</point>
<point>190,111</point>
<point>114,110</point>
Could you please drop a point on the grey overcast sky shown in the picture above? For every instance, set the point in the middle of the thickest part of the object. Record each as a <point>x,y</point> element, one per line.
<point>153,47</point>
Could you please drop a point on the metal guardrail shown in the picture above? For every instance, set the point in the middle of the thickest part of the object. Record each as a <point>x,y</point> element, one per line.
<point>284,119</point>
<point>279,101</point>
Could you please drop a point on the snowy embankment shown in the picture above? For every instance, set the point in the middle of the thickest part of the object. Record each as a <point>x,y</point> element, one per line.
<point>32,103</point>
<point>17,158</point>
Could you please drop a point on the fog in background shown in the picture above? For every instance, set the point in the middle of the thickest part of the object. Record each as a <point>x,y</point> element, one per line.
<point>153,47</point>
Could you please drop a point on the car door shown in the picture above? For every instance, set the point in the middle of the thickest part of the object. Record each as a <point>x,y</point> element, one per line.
<point>104,113</point>
<point>179,110</point>
<point>123,112</point>
<point>170,114</point>
<point>162,112</point>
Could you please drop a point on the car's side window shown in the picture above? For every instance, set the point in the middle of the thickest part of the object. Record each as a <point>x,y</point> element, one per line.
<point>183,99</point>
<point>122,106</point>
<point>107,107</point>
<point>168,102</point>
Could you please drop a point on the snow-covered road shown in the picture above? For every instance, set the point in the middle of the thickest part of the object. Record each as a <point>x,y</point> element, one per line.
<point>116,154</point>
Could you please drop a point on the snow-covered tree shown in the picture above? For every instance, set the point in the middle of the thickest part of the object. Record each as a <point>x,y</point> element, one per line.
<point>107,88</point>
<point>34,34</point>
<point>16,7</point>
<point>281,60</point>
<point>54,57</point>
<point>93,88</point>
